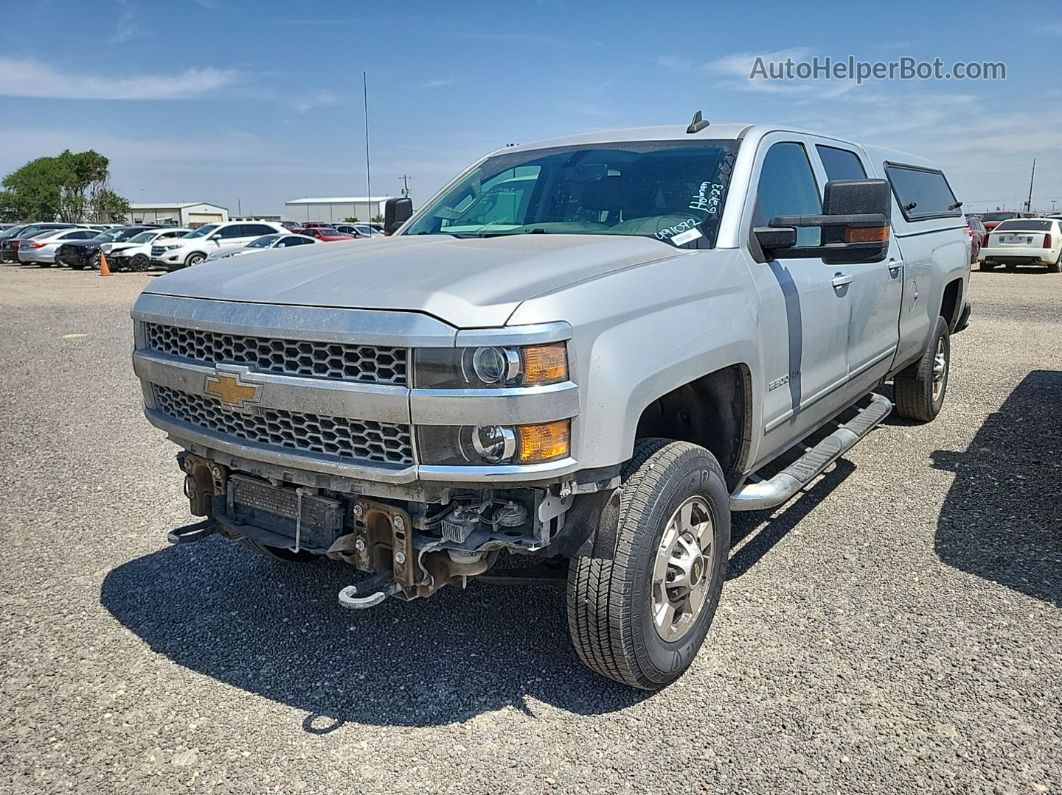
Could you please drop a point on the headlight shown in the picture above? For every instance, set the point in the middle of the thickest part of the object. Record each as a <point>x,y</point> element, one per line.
<point>488,366</point>
<point>484,445</point>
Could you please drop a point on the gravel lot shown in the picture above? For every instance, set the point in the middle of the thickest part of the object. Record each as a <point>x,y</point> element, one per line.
<point>897,629</point>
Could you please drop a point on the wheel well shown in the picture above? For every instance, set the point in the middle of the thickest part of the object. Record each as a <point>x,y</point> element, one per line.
<point>950,304</point>
<point>713,411</point>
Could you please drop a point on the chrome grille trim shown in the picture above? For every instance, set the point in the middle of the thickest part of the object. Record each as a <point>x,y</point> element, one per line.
<point>335,437</point>
<point>327,360</point>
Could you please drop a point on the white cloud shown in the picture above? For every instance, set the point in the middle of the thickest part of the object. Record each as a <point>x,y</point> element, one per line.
<point>316,99</point>
<point>127,26</point>
<point>24,78</point>
<point>439,83</point>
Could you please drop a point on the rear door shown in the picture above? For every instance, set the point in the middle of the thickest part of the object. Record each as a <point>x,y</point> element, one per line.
<point>874,290</point>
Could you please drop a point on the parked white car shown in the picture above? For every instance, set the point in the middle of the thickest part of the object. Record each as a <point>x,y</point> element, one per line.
<point>1024,241</point>
<point>209,239</point>
<point>41,249</point>
<point>264,243</point>
<point>135,253</point>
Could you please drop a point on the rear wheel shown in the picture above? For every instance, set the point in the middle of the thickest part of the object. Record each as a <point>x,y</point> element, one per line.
<point>919,390</point>
<point>1057,266</point>
<point>641,617</point>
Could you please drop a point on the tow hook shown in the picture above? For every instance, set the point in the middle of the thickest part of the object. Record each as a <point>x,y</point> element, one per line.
<point>190,533</point>
<point>368,593</point>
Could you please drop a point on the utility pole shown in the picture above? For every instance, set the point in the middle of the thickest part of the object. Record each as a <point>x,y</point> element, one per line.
<point>368,172</point>
<point>239,209</point>
<point>1032,178</point>
<point>405,184</point>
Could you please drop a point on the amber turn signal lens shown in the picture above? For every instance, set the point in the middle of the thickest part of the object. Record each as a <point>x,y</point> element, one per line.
<point>866,234</point>
<point>545,442</point>
<point>545,364</point>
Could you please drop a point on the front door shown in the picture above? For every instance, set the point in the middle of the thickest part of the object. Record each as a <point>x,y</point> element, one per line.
<point>804,314</point>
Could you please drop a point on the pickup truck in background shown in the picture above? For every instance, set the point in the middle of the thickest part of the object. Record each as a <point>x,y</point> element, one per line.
<point>591,349</point>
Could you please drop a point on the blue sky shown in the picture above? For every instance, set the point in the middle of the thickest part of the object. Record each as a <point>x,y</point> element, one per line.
<point>260,102</point>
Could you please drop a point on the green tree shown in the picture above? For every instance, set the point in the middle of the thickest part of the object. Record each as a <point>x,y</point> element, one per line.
<point>378,219</point>
<point>71,187</point>
<point>351,220</point>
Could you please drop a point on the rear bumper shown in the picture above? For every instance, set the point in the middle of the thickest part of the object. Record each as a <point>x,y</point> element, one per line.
<point>1018,255</point>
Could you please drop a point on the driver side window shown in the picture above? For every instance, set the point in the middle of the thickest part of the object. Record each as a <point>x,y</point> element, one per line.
<point>787,186</point>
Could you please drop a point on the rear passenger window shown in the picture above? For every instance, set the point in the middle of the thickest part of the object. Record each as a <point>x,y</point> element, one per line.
<point>922,192</point>
<point>787,187</point>
<point>236,230</point>
<point>841,163</point>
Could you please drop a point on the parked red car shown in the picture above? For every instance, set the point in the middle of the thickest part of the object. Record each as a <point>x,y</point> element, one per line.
<point>992,220</point>
<point>975,228</point>
<point>323,233</point>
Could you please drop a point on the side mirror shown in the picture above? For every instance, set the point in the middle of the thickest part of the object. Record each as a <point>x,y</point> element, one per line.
<point>396,213</point>
<point>854,225</point>
<point>215,236</point>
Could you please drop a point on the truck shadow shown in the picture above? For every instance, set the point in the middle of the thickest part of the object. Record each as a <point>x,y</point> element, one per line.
<point>277,630</point>
<point>1001,518</point>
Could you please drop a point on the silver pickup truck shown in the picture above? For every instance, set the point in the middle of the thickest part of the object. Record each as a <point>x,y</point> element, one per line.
<point>590,350</point>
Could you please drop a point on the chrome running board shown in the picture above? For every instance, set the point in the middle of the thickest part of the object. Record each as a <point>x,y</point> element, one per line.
<point>760,495</point>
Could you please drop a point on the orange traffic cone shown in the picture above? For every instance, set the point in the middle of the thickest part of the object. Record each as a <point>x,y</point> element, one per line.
<point>104,270</point>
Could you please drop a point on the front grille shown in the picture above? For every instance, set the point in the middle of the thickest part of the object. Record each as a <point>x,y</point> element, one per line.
<point>352,440</point>
<point>336,361</point>
<point>157,251</point>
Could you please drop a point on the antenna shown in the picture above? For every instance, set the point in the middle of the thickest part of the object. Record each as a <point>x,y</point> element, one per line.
<point>368,171</point>
<point>697,124</point>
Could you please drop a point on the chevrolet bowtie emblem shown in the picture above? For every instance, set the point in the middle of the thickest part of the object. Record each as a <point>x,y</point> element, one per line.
<point>230,390</point>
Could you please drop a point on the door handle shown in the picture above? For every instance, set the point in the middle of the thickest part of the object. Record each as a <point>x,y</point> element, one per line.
<point>841,279</point>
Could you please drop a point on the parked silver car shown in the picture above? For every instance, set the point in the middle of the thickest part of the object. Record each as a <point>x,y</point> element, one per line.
<point>41,248</point>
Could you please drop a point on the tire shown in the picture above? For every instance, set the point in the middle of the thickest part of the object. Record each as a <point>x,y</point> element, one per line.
<point>194,259</point>
<point>920,389</point>
<point>612,604</point>
<point>1057,266</point>
<point>281,554</point>
<point>139,263</point>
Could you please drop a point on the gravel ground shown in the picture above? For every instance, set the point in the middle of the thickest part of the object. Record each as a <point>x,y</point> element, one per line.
<point>897,629</point>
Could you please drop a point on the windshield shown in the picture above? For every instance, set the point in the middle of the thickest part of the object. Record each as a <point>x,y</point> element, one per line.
<point>262,242</point>
<point>668,190</point>
<point>203,231</point>
<point>143,237</point>
<point>997,216</point>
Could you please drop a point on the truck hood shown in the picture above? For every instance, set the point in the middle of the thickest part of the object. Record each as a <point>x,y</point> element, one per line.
<point>475,282</point>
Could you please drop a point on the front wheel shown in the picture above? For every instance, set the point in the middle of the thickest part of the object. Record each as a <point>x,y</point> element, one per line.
<point>641,617</point>
<point>194,259</point>
<point>139,263</point>
<point>919,390</point>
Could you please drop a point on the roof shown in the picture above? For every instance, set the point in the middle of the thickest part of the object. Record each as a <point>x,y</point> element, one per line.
<point>171,205</point>
<point>340,200</point>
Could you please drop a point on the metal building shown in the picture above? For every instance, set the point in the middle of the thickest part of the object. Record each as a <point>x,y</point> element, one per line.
<point>364,208</point>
